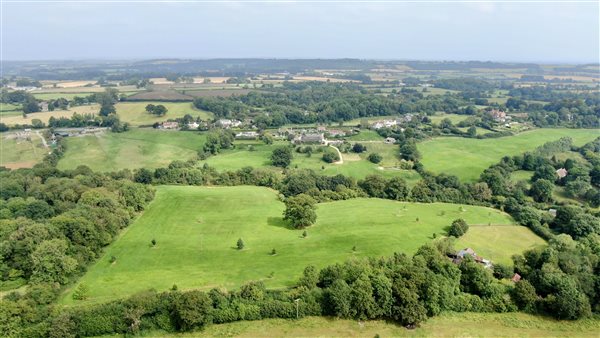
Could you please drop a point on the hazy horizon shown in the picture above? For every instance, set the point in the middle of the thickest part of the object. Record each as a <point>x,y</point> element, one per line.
<point>564,33</point>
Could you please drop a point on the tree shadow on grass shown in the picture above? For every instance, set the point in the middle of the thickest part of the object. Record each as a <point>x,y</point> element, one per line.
<point>279,222</point>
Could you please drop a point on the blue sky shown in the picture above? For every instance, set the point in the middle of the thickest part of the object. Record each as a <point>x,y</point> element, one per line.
<point>529,32</point>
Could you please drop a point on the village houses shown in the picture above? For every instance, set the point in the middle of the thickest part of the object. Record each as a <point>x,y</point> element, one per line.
<point>227,123</point>
<point>169,125</point>
<point>248,135</point>
<point>498,115</point>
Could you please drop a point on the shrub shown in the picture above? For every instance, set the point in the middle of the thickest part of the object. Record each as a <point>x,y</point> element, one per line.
<point>330,157</point>
<point>375,158</point>
<point>458,228</point>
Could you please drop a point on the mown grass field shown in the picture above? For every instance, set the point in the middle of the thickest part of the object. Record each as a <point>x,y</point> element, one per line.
<point>20,153</point>
<point>468,158</point>
<point>507,240</point>
<point>196,230</point>
<point>135,112</point>
<point>468,324</point>
<point>137,148</point>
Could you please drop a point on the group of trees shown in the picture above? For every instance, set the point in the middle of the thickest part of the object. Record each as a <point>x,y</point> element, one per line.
<point>158,110</point>
<point>313,102</point>
<point>404,289</point>
<point>55,223</point>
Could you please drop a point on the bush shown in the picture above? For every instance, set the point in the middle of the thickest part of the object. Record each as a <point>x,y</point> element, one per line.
<point>358,148</point>
<point>458,228</point>
<point>375,158</point>
<point>330,157</point>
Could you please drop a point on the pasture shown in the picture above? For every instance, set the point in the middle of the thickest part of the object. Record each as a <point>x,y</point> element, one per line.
<point>14,119</point>
<point>467,324</point>
<point>196,230</point>
<point>506,241</point>
<point>468,158</point>
<point>137,148</point>
<point>135,112</point>
<point>20,152</point>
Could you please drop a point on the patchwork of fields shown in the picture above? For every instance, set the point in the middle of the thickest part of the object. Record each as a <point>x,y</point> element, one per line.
<point>468,158</point>
<point>196,229</point>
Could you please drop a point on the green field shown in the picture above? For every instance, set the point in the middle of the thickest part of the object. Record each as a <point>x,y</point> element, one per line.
<point>506,241</point>
<point>20,153</point>
<point>196,229</point>
<point>354,165</point>
<point>135,112</point>
<point>467,324</point>
<point>137,148</point>
<point>7,108</point>
<point>455,118</point>
<point>468,158</point>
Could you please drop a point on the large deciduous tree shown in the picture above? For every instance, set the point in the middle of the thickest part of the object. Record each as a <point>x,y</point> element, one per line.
<point>300,211</point>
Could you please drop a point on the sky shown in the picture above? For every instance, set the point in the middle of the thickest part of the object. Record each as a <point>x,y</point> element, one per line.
<point>566,32</point>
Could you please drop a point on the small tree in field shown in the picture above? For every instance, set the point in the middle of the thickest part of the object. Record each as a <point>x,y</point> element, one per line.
<point>240,244</point>
<point>458,228</point>
<point>81,293</point>
<point>273,252</point>
<point>153,241</point>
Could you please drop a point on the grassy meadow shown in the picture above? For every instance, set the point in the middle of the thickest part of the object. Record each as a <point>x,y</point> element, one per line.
<point>507,240</point>
<point>196,230</point>
<point>137,148</point>
<point>467,324</point>
<point>20,153</point>
<point>135,112</point>
<point>468,158</point>
<point>17,118</point>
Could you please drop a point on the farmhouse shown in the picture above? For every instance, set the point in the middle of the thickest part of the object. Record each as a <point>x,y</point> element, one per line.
<point>246,135</point>
<point>227,123</point>
<point>498,115</point>
<point>516,278</point>
<point>389,140</point>
<point>43,106</point>
<point>193,125</point>
<point>311,138</point>
<point>456,259</point>
<point>384,124</point>
<point>406,118</point>
<point>169,125</point>
<point>562,172</point>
